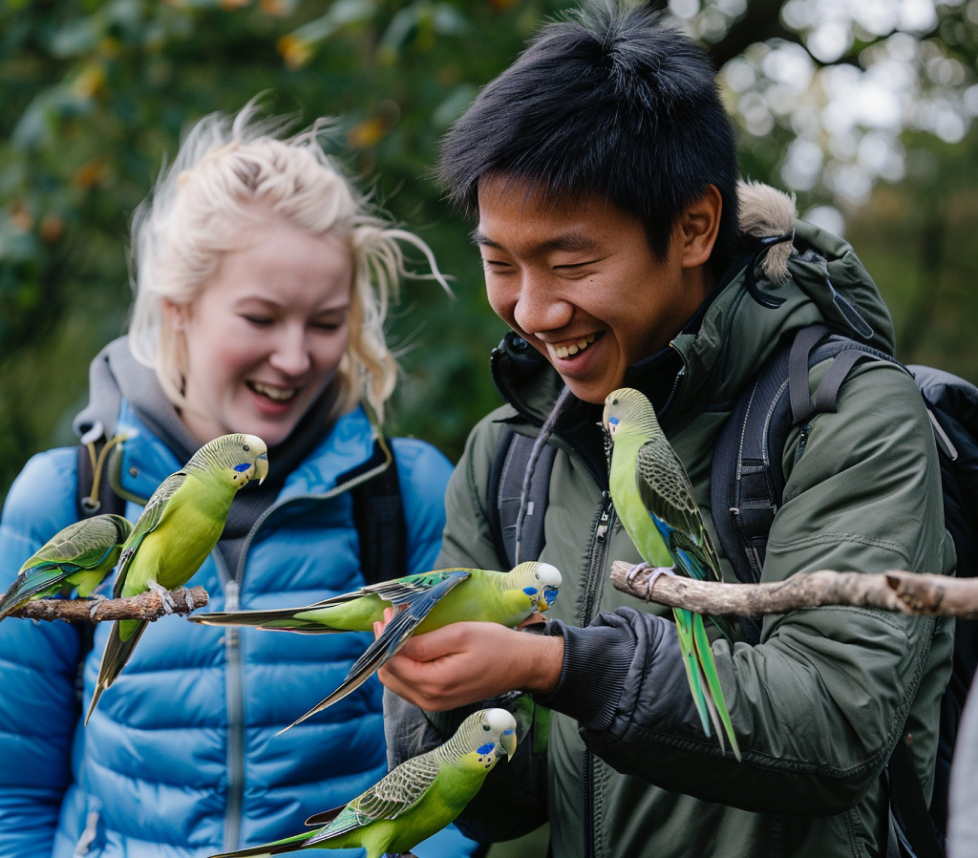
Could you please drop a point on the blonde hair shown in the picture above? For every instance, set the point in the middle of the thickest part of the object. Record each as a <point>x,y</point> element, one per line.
<point>230,173</point>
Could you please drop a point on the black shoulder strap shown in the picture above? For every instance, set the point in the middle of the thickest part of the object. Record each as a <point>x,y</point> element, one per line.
<point>748,484</point>
<point>93,496</point>
<point>506,480</point>
<point>378,514</point>
<point>748,478</point>
<point>93,489</point>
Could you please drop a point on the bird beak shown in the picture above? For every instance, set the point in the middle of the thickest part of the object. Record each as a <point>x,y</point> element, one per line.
<point>508,741</point>
<point>547,599</point>
<point>261,467</point>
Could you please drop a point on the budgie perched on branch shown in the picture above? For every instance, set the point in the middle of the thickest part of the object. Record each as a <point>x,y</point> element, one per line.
<point>76,558</point>
<point>654,499</point>
<point>179,527</point>
<point>422,602</point>
<point>416,800</point>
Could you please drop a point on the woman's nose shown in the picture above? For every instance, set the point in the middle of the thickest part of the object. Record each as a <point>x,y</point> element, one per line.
<point>291,352</point>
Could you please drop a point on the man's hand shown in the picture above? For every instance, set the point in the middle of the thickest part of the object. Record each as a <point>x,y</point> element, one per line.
<point>468,662</point>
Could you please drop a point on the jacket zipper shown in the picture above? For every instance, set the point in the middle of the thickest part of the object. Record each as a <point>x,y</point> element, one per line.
<point>680,375</point>
<point>234,691</point>
<point>235,666</point>
<point>602,524</point>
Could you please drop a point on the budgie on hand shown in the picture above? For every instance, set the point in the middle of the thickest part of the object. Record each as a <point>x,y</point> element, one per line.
<point>177,530</point>
<point>654,499</point>
<point>416,800</point>
<point>422,602</point>
<point>76,558</point>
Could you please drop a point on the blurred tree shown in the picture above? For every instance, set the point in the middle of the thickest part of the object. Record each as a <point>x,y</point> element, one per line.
<point>832,97</point>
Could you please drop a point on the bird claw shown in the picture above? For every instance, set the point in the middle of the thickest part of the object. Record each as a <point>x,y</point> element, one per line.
<point>165,597</point>
<point>634,570</point>
<point>656,572</point>
<point>188,598</point>
<point>96,601</point>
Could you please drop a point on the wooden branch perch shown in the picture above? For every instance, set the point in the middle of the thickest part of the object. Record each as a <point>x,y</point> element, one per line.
<point>906,592</point>
<point>145,606</point>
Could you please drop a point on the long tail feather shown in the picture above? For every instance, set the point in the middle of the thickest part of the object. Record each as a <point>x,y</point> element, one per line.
<point>36,584</point>
<point>395,635</point>
<point>687,649</point>
<point>709,668</point>
<point>117,653</point>
<point>281,620</point>
<point>290,844</point>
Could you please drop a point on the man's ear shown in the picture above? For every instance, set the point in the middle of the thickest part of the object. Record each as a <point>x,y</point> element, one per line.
<point>699,225</point>
<point>176,316</point>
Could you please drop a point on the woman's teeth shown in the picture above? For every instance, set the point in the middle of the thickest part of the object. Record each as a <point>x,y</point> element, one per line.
<point>276,393</point>
<point>574,348</point>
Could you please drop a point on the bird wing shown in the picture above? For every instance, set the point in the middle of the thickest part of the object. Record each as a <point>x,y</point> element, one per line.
<point>413,602</point>
<point>150,519</point>
<point>390,797</point>
<point>667,493</point>
<point>399,591</point>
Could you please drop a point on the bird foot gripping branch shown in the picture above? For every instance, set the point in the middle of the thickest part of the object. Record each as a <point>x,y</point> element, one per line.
<point>656,573</point>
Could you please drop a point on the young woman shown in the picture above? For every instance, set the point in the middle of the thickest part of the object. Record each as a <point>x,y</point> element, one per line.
<point>261,289</point>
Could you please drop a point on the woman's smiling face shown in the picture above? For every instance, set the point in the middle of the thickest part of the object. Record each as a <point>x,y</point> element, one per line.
<point>265,337</point>
<point>580,283</point>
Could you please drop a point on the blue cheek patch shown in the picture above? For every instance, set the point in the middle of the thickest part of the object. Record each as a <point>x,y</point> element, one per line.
<point>613,421</point>
<point>530,591</point>
<point>242,467</point>
<point>486,749</point>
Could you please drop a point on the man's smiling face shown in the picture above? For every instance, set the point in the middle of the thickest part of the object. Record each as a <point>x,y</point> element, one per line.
<point>580,283</point>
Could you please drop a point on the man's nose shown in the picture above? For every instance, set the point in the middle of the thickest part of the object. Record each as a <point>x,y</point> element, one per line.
<point>540,307</point>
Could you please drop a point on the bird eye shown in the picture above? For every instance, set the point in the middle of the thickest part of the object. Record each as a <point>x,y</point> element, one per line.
<point>486,727</point>
<point>246,448</point>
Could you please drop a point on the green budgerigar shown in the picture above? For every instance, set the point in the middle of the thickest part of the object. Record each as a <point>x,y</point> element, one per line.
<point>416,800</point>
<point>76,559</point>
<point>177,530</point>
<point>423,603</point>
<point>653,497</point>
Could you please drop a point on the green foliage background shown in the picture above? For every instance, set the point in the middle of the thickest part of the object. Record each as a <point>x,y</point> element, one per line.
<point>95,95</point>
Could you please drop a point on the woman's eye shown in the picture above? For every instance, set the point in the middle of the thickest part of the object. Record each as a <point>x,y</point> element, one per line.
<point>261,321</point>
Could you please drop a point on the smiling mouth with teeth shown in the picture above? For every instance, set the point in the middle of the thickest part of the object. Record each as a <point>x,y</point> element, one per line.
<point>274,393</point>
<point>574,348</point>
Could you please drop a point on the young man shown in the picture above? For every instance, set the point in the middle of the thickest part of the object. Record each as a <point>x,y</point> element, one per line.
<point>617,245</point>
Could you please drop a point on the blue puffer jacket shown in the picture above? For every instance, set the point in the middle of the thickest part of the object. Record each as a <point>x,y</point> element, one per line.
<point>180,758</point>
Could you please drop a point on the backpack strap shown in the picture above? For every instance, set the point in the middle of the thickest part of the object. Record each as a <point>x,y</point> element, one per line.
<point>748,477</point>
<point>94,494</point>
<point>378,514</point>
<point>747,489</point>
<point>506,495</point>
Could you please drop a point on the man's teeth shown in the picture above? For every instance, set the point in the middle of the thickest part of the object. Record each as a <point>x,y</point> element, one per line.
<point>276,393</point>
<point>574,348</point>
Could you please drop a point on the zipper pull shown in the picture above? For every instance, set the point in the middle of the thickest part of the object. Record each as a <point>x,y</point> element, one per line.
<point>602,531</point>
<point>232,595</point>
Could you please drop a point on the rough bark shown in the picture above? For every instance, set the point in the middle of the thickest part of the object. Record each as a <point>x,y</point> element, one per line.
<point>895,590</point>
<point>146,606</point>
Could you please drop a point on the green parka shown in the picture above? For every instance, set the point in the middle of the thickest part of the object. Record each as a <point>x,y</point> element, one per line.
<point>820,702</point>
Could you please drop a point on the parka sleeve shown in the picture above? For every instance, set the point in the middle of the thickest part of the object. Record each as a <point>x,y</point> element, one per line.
<point>38,667</point>
<point>819,704</point>
<point>512,801</point>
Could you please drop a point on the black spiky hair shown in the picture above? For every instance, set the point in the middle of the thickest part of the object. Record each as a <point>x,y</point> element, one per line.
<point>612,103</point>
